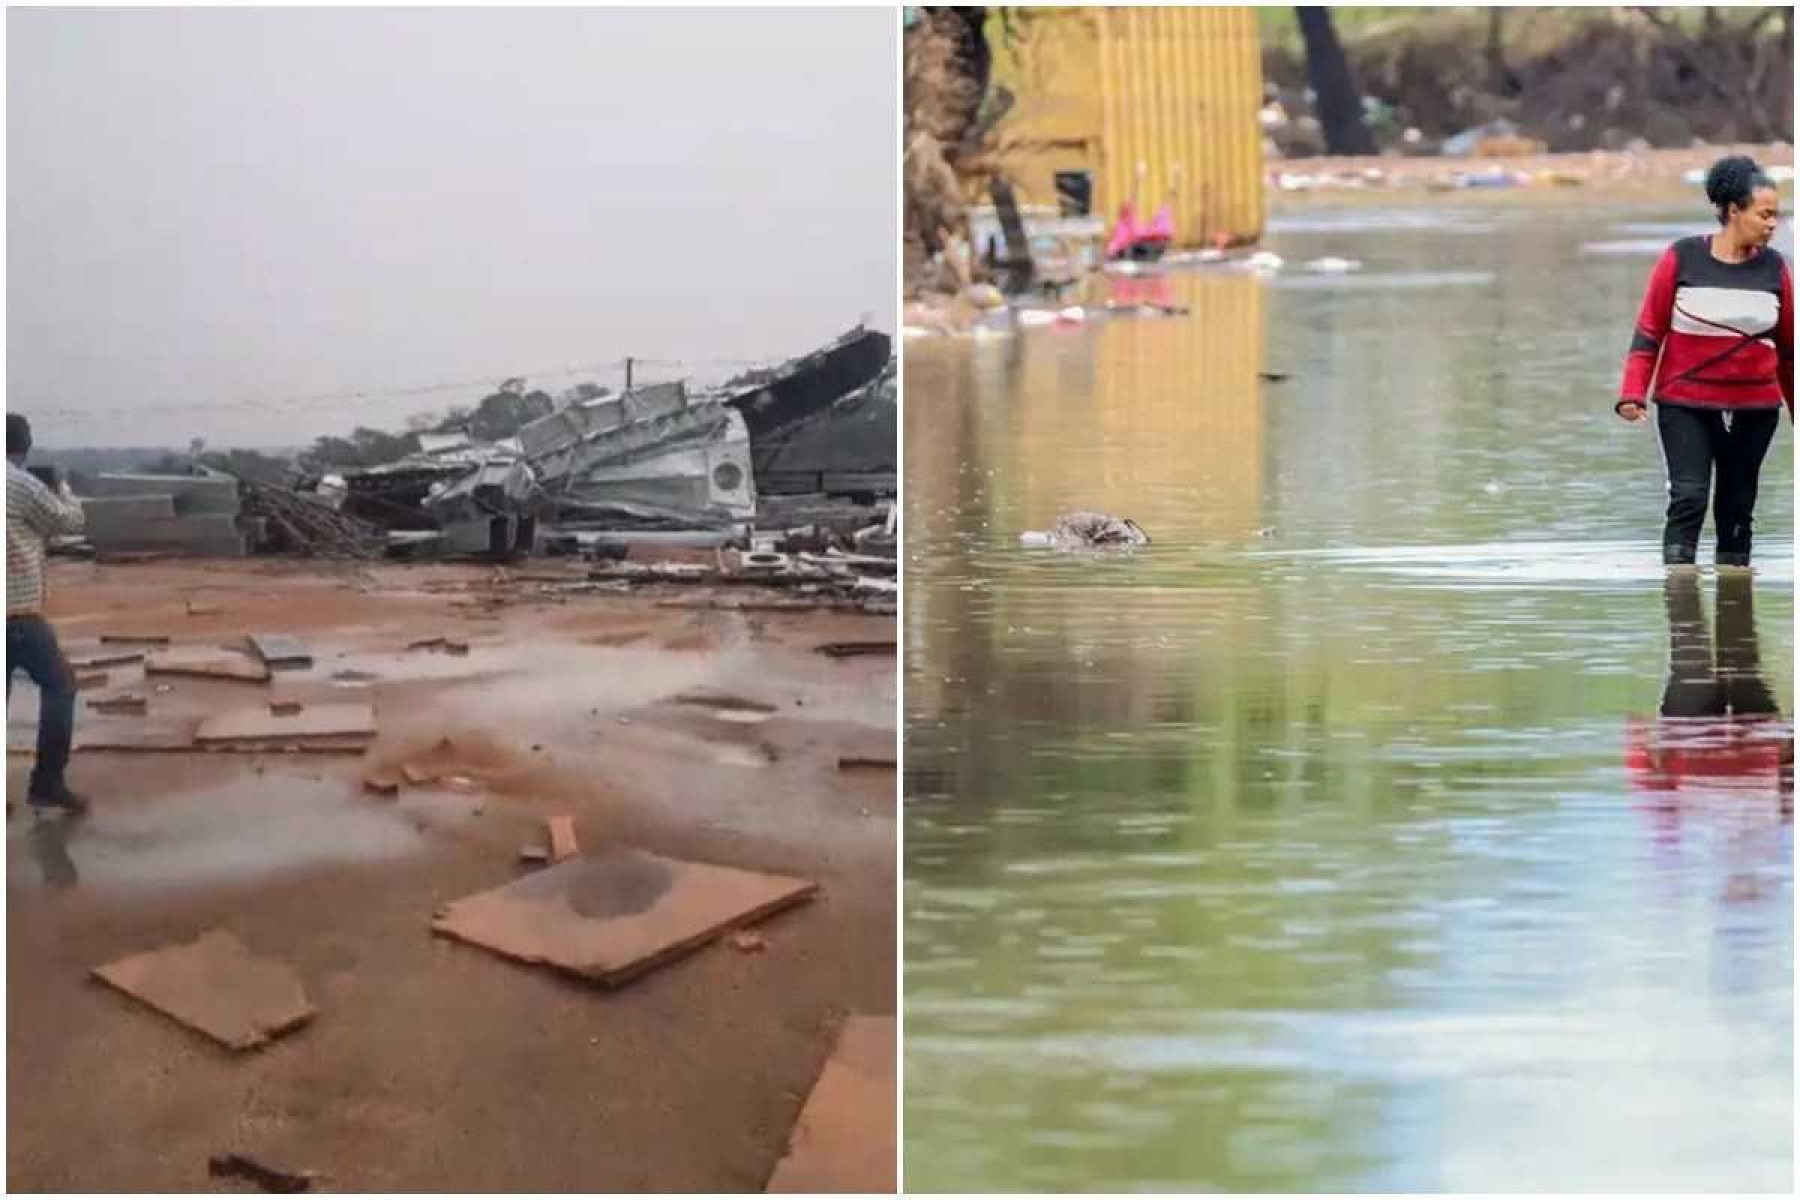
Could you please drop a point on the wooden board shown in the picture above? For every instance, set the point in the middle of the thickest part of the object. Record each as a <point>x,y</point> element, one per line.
<point>844,1139</point>
<point>562,838</point>
<point>315,721</point>
<point>855,649</point>
<point>610,917</point>
<point>281,652</point>
<point>216,986</point>
<point>207,663</point>
<point>106,658</point>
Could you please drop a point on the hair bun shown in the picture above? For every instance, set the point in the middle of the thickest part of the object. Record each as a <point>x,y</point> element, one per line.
<point>1729,180</point>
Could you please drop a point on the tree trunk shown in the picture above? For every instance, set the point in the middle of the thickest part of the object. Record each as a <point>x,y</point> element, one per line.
<point>1338,102</point>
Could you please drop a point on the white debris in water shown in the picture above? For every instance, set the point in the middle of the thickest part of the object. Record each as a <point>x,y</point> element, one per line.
<point>1333,265</point>
<point>1493,487</point>
<point>1073,313</point>
<point>1264,260</point>
<point>1032,318</point>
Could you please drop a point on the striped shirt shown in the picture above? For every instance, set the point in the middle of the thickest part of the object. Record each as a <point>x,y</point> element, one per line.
<point>1724,332</point>
<point>34,513</point>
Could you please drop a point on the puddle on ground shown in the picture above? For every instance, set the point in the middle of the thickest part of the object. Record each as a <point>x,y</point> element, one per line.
<point>252,828</point>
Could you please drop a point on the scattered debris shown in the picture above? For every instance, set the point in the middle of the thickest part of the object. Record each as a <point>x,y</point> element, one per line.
<point>216,986</point>
<point>858,762</point>
<point>281,652</point>
<point>89,662</point>
<point>119,704</point>
<point>340,721</point>
<point>88,681</point>
<point>562,838</point>
<point>269,1179</point>
<point>748,941</point>
<point>305,523</point>
<point>459,649</point>
<point>532,852</point>
<point>844,1139</point>
<point>207,663</point>
<point>420,775</point>
<point>611,917</point>
<point>197,609</point>
<point>431,643</point>
<point>855,649</point>
<point>134,639</point>
<point>381,783</point>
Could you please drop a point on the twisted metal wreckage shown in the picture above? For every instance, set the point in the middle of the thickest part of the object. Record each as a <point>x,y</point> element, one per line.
<point>807,449</point>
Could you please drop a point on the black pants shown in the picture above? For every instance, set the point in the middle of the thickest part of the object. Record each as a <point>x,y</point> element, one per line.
<point>1694,440</point>
<point>31,647</point>
<point>1701,684</point>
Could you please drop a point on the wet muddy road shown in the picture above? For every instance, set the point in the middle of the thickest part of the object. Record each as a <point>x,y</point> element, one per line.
<point>435,1065</point>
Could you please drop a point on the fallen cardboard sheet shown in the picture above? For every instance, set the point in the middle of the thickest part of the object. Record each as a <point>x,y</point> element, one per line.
<point>123,703</point>
<point>106,658</point>
<point>216,986</point>
<point>281,652</point>
<point>610,917</point>
<point>207,663</point>
<point>844,1139</point>
<point>855,649</point>
<point>315,721</point>
<point>180,740</point>
<point>148,735</point>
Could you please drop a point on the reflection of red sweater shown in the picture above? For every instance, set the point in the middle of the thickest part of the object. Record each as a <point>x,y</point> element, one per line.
<point>1725,331</point>
<point>1739,753</point>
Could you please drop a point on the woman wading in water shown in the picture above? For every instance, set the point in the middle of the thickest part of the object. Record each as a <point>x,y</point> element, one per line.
<point>1714,351</point>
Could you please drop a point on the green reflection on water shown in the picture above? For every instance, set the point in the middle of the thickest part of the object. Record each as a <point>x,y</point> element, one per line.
<point>1335,840</point>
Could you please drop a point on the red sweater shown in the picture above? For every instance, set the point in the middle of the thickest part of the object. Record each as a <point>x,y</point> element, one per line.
<point>1725,331</point>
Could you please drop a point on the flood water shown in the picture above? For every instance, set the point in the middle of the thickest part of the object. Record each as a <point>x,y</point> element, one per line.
<point>1390,822</point>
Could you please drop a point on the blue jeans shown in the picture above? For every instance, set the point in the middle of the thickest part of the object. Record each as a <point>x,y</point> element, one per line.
<point>31,647</point>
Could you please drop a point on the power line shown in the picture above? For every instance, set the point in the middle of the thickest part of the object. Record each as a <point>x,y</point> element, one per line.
<point>348,401</point>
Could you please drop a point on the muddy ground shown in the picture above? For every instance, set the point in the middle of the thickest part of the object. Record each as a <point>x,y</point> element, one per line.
<point>434,1065</point>
<point>1580,180</point>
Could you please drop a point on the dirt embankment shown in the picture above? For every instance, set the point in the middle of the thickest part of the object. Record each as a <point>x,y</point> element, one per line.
<point>1572,79</point>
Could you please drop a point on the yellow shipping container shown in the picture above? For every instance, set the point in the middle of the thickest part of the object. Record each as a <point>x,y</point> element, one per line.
<point>1137,101</point>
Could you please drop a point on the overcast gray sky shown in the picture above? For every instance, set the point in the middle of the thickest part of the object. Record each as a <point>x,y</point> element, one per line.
<point>252,206</point>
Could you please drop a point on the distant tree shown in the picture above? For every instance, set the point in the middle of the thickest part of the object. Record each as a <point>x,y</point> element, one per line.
<point>1339,101</point>
<point>363,448</point>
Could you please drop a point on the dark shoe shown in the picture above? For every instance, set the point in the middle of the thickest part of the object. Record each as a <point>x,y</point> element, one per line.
<point>1741,561</point>
<point>58,800</point>
<point>1678,556</point>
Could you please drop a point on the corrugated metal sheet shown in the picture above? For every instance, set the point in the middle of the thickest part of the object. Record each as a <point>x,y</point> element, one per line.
<point>1160,420</point>
<point>1108,89</point>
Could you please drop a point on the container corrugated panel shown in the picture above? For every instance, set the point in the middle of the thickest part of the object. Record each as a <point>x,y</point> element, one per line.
<point>1157,419</point>
<point>1173,90</point>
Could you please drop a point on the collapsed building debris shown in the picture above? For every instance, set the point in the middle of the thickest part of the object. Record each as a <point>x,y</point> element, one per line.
<point>194,514</point>
<point>807,448</point>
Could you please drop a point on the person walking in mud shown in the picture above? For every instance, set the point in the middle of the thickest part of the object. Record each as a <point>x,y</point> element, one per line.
<point>34,514</point>
<point>1714,351</point>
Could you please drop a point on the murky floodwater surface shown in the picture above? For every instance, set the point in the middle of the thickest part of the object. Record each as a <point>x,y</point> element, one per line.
<point>1390,822</point>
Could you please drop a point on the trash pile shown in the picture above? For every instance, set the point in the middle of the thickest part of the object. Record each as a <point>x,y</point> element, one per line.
<point>807,448</point>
